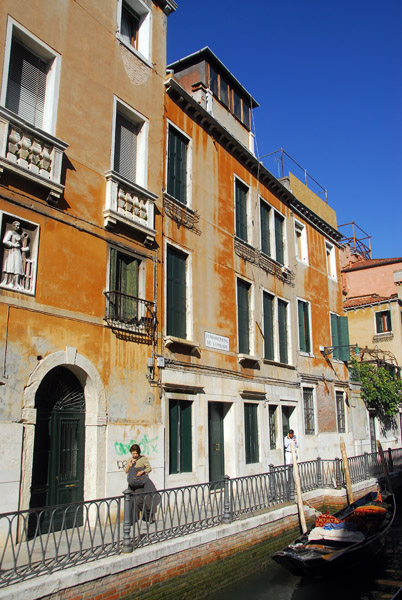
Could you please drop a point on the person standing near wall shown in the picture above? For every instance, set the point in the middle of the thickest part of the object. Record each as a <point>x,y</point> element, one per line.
<point>289,440</point>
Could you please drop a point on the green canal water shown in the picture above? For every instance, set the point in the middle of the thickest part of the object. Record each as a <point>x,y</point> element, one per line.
<point>377,580</point>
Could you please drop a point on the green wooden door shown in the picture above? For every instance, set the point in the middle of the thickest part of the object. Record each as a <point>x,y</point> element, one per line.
<point>59,449</point>
<point>216,441</point>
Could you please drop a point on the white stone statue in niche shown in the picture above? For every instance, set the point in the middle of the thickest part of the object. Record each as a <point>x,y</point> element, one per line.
<point>16,252</point>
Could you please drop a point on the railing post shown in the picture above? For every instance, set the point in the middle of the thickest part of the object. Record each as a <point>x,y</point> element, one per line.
<point>227,514</point>
<point>338,472</point>
<point>319,473</point>
<point>271,483</point>
<point>127,522</point>
<point>291,482</point>
<point>390,461</point>
<point>366,466</point>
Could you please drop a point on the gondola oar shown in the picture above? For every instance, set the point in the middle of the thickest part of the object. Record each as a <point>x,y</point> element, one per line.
<point>298,490</point>
<point>347,472</point>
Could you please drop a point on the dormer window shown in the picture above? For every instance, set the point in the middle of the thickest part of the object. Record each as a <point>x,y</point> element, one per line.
<point>238,105</point>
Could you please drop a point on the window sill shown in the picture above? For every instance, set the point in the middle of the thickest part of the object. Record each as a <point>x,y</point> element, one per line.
<point>275,363</point>
<point>244,359</point>
<point>171,340</point>
<point>383,337</point>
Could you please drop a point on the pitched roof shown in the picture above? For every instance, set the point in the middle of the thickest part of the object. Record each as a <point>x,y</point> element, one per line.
<point>369,300</point>
<point>371,262</point>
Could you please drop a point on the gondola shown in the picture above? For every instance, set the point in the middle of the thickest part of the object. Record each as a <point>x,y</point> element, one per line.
<point>341,541</point>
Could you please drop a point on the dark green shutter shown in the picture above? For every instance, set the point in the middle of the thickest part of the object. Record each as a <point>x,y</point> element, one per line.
<point>283,331</point>
<point>173,436</point>
<point>264,223</point>
<point>177,166</point>
<point>304,327</point>
<point>241,211</point>
<point>279,238</point>
<point>185,437</point>
<point>176,293</point>
<point>251,432</point>
<point>343,330</point>
<point>269,352</point>
<point>243,323</point>
<point>378,320</point>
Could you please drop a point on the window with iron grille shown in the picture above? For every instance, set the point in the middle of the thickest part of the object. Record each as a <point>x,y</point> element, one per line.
<point>243,316</point>
<point>272,427</point>
<point>340,412</point>
<point>124,305</point>
<point>177,165</point>
<point>308,403</point>
<point>180,436</point>
<point>304,326</point>
<point>251,432</point>
<point>176,288</point>
<point>383,321</point>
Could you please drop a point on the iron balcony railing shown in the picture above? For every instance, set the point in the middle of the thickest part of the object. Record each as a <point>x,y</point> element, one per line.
<point>43,540</point>
<point>130,314</point>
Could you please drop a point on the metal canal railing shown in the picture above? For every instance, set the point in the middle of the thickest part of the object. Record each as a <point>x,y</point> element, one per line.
<point>41,541</point>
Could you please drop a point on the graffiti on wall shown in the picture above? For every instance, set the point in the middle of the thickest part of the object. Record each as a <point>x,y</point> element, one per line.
<point>148,446</point>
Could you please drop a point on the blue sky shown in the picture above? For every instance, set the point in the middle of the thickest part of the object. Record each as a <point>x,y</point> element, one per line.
<point>328,77</point>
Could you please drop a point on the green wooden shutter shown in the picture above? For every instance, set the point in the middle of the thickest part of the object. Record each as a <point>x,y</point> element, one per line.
<point>264,223</point>
<point>112,300</point>
<point>279,238</point>
<point>26,88</point>
<point>185,437</point>
<point>173,436</point>
<point>283,331</point>
<point>378,320</point>
<point>269,351</point>
<point>243,319</point>
<point>304,327</point>
<point>343,330</point>
<point>176,294</point>
<point>241,211</point>
<point>251,432</point>
<point>334,330</point>
<point>177,166</point>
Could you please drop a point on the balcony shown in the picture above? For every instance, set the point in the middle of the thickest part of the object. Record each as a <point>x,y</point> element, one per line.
<point>129,205</point>
<point>133,317</point>
<point>31,153</point>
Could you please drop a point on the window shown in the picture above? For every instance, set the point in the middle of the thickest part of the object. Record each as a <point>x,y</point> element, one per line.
<point>219,87</point>
<point>268,308</point>
<point>301,242</point>
<point>304,326</point>
<point>243,316</point>
<point>31,78</point>
<point>241,192</point>
<point>123,296</point>
<point>383,321</point>
<point>340,412</point>
<point>272,427</point>
<point>176,293</point>
<point>330,259</point>
<point>265,210</point>
<point>272,232</point>
<point>238,105</point>
<point>125,149</point>
<point>251,432</point>
<point>177,165</point>
<point>135,27</point>
<point>340,337</point>
<point>283,331</point>
<point>130,24</point>
<point>275,320</point>
<point>180,439</point>
<point>308,404</point>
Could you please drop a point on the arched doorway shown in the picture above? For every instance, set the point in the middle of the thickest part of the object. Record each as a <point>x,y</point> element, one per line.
<point>59,447</point>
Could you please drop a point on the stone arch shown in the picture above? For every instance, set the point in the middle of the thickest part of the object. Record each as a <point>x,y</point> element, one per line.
<point>95,421</point>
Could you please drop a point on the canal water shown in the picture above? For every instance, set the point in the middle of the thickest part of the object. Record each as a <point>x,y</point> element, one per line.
<point>378,580</point>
